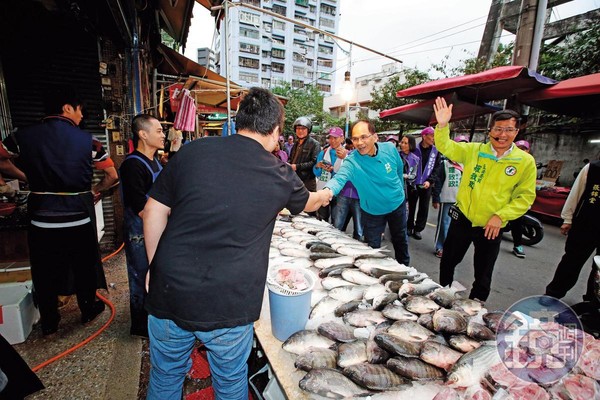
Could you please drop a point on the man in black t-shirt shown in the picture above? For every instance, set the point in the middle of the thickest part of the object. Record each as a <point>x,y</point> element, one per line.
<point>208,225</point>
<point>138,172</point>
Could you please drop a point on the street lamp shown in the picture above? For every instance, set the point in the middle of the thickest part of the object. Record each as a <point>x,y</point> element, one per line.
<point>347,93</point>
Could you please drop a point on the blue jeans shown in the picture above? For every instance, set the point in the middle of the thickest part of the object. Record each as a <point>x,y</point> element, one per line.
<point>374,226</point>
<point>443,223</point>
<point>344,206</point>
<point>170,351</point>
<point>137,260</point>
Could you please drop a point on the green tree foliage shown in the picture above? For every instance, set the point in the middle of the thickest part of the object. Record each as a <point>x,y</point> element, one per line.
<point>577,55</point>
<point>307,101</point>
<point>473,65</point>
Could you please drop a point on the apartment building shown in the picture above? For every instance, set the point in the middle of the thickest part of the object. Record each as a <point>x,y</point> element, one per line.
<point>265,50</point>
<point>207,58</point>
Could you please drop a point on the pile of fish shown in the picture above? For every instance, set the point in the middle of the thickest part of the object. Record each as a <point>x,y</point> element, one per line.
<point>381,330</point>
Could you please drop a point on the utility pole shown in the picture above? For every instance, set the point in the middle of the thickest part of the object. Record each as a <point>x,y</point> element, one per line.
<point>525,32</point>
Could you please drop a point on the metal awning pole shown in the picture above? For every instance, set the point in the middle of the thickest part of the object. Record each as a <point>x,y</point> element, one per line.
<point>226,34</point>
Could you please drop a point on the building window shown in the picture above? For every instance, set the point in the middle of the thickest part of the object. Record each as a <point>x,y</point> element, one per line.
<point>325,76</point>
<point>310,62</point>
<point>325,63</point>
<point>327,9</point>
<point>328,23</point>
<point>266,83</point>
<point>277,67</point>
<point>325,49</point>
<point>299,57</point>
<point>324,88</point>
<point>297,84</point>
<point>249,48</point>
<point>278,53</point>
<point>249,33</point>
<point>278,25</point>
<point>312,9</point>
<point>298,71</point>
<point>281,10</point>
<point>250,18</point>
<point>303,3</point>
<point>249,63</point>
<point>267,26</point>
<point>278,39</point>
<point>266,54</point>
<point>266,67</point>
<point>248,77</point>
<point>253,2</point>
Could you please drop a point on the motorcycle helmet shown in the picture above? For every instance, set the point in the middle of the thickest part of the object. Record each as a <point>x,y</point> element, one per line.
<point>303,121</point>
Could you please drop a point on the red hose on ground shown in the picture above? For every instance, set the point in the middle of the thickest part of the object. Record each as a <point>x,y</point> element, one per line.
<point>95,334</point>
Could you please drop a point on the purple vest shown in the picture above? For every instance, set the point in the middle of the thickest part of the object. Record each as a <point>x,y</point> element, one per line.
<point>424,170</point>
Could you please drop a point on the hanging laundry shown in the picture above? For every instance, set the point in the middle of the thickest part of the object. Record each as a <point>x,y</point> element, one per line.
<point>185,120</point>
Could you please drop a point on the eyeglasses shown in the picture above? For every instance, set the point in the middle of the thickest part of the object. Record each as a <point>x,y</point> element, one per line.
<point>360,138</point>
<point>499,129</point>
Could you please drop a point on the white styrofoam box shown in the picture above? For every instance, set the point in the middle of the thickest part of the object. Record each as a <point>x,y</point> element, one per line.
<point>273,391</point>
<point>17,311</point>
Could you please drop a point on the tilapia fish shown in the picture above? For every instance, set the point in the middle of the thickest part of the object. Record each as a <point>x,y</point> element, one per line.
<point>316,358</point>
<point>410,331</point>
<point>361,318</point>
<point>449,321</point>
<point>336,331</point>
<point>472,367</point>
<point>334,270</point>
<point>439,355</point>
<point>330,383</point>
<point>301,341</point>
<point>471,307</point>
<point>346,308</point>
<point>420,304</point>
<point>398,312</point>
<point>325,306</point>
<point>355,276</point>
<point>375,290</point>
<point>348,293</point>
<point>381,301</point>
<point>479,331</point>
<point>463,343</point>
<point>376,354</point>
<point>352,353</point>
<point>328,262</point>
<point>444,296</point>
<point>395,345</point>
<point>332,282</point>
<point>418,289</point>
<point>375,377</point>
<point>426,320</point>
<point>415,368</point>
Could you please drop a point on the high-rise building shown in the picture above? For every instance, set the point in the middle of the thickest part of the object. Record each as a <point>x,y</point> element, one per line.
<point>206,58</point>
<point>265,50</point>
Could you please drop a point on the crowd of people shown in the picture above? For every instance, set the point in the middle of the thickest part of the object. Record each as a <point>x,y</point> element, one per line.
<point>215,229</point>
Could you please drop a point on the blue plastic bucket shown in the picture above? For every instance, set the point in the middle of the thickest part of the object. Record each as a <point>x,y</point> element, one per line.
<point>289,309</point>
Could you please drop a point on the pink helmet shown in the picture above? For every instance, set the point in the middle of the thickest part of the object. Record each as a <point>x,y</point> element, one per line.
<point>462,138</point>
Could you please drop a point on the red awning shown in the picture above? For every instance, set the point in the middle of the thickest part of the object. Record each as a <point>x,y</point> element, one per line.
<point>494,84</point>
<point>422,112</point>
<point>577,96</point>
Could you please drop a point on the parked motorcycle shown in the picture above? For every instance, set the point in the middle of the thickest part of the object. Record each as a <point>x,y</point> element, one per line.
<point>533,230</point>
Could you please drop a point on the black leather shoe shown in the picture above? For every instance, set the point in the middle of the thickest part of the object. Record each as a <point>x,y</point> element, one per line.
<point>49,330</point>
<point>89,316</point>
<point>417,235</point>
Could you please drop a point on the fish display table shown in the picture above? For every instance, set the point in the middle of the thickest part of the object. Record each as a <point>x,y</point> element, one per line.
<point>282,362</point>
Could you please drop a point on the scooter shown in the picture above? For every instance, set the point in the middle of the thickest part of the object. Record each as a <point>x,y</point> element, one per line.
<point>533,230</point>
<point>589,311</point>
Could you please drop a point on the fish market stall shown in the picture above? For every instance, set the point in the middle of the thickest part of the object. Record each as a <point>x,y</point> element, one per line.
<point>379,328</point>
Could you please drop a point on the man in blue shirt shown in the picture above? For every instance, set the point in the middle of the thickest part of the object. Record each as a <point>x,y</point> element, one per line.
<point>376,171</point>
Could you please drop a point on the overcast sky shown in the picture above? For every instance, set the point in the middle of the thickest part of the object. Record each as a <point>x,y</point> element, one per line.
<point>418,32</point>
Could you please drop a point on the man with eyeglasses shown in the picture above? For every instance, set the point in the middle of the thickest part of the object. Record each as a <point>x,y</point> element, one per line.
<point>376,170</point>
<point>498,186</point>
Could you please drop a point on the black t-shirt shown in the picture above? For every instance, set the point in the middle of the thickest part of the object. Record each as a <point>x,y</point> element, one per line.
<point>210,267</point>
<point>136,181</point>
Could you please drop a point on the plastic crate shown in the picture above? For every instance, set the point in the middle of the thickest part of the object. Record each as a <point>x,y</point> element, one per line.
<point>17,311</point>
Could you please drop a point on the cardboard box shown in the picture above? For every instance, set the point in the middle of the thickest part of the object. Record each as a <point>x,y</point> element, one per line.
<point>17,311</point>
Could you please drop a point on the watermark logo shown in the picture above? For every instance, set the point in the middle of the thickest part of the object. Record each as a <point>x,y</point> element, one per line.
<point>540,339</point>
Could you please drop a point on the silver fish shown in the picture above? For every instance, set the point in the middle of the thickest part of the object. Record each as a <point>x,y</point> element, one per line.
<point>410,331</point>
<point>325,306</point>
<point>420,304</point>
<point>336,331</point>
<point>352,353</point>
<point>375,377</point>
<point>355,251</point>
<point>463,343</point>
<point>449,321</point>
<point>395,345</point>
<point>383,300</point>
<point>318,256</point>
<point>446,295</point>
<point>358,277</point>
<point>375,290</point>
<point>328,262</point>
<point>376,354</point>
<point>361,318</point>
<point>418,289</point>
<point>346,308</point>
<point>348,293</point>
<point>472,367</point>
<point>332,282</point>
<point>480,331</point>
<point>426,320</point>
<point>471,307</point>
<point>330,383</point>
<point>301,341</point>
<point>396,276</point>
<point>398,312</point>
<point>439,355</point>
<point>415,368</point>
<point>316,358</point>
<point>334,270</point>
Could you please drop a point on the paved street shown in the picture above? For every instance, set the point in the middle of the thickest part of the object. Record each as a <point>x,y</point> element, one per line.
<point>514,278</point>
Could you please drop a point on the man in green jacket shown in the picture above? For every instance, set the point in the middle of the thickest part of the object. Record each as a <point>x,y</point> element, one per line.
<point>498,186</point>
